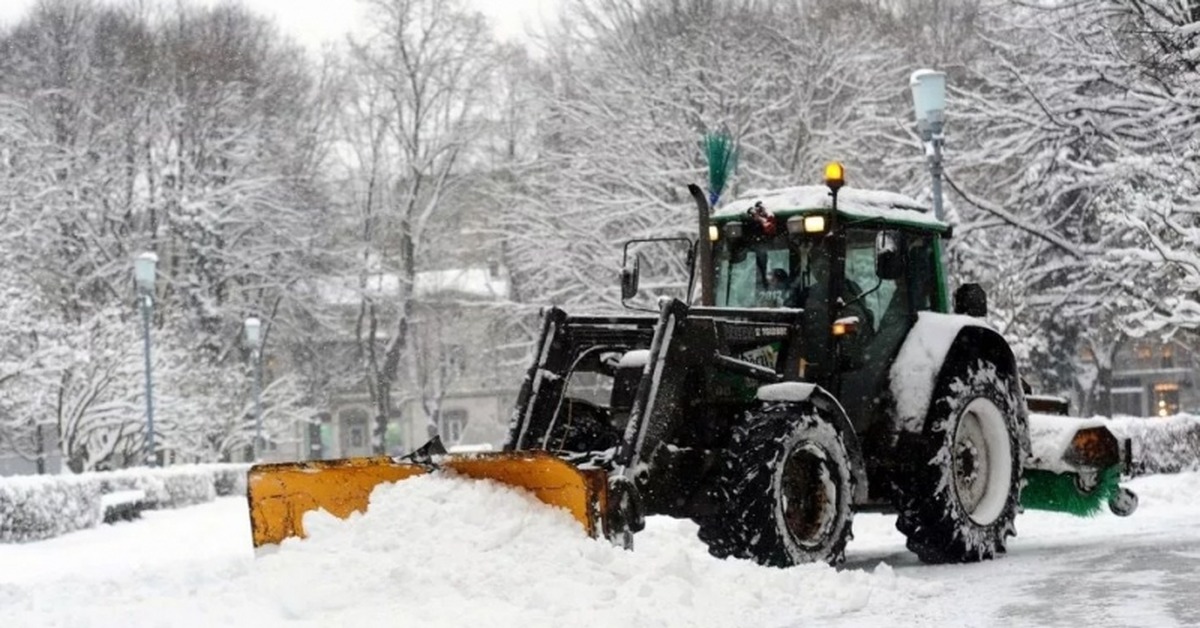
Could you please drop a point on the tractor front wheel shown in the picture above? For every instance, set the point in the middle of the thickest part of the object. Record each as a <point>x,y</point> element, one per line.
<point>959,502</point>
<point>784,491</point>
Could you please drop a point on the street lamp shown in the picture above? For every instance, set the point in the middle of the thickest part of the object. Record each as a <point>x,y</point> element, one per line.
<point>929,100</point>
<point>253,331</point>
<point>144,267</point>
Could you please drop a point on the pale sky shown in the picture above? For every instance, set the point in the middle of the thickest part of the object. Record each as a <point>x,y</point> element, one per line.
<point>314,21</point>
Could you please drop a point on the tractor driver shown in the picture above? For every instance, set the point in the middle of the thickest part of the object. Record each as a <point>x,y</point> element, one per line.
<point>813,292</point>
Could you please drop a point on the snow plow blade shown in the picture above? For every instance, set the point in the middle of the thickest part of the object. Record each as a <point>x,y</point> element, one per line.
<point>280,494</point>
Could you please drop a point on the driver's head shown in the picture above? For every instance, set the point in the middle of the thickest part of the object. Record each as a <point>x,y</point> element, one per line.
<point>778,278</point>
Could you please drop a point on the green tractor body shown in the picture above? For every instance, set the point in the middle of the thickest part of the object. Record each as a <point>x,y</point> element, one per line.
<point>818,369</point>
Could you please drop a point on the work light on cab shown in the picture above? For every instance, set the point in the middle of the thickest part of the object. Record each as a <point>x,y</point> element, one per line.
<point>806,224</point>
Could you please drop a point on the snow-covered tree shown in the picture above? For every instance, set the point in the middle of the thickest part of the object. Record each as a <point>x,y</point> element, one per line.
<point>420,83</point>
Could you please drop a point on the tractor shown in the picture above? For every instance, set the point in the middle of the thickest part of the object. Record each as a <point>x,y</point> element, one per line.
<point>819,368</point>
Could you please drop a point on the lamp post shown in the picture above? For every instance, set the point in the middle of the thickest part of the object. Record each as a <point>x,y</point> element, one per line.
<point>253,331</point>
<point>929,101</point>
<point>144,267</point>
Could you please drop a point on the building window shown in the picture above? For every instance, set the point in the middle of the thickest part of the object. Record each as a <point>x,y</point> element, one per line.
<point>1166,398</point>
<point>1128,401</point>
<point>453,423</point>
<point>354,428</point>
<point>1144,352</point>
<point>1168,356</point>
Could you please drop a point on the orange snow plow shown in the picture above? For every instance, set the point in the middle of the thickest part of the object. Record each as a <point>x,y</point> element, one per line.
<point>280,494</point>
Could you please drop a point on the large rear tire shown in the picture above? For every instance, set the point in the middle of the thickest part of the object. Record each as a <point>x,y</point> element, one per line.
<point>784,491</point>
<point>959,503</point>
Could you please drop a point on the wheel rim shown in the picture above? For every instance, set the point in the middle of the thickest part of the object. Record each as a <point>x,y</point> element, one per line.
<point>808,497</point>
<point>982,461</point>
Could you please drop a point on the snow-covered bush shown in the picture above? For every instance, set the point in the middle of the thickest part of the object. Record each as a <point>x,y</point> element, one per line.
<point>229,478</point>
<point>172,487</point>
<point>1161,445</point>
<point>42,507</point>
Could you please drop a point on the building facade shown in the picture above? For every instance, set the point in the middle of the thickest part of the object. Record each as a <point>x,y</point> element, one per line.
<point>458,381</point>
<point>1155,379</point>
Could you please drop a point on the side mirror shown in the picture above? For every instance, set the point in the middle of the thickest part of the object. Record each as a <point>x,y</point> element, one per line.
<point>970,299</point>
<point>629,279</point>
<point>889,256</point>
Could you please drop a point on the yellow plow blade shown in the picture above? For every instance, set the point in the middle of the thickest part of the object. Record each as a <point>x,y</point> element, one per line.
<point>280,494</point>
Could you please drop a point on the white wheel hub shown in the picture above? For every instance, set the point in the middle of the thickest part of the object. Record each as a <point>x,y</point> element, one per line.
<point>981,461</point>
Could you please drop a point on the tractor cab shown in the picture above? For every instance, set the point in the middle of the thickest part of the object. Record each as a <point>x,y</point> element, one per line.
<point>794,248</point>
<point>771,248</point>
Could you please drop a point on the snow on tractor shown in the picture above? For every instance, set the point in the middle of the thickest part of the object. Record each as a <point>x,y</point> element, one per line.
<point>819,371</point>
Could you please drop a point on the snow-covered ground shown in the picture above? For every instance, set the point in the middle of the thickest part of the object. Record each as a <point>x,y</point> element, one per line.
<point>442,552</point>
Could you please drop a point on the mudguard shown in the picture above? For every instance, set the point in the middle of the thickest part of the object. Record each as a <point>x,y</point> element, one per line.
<point>924,354</point>
<point>800,392</point>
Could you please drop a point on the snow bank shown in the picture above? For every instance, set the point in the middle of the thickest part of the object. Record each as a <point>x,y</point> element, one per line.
<point>436,550</point>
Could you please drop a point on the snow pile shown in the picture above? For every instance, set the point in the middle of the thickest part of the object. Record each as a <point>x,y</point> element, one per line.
<point>444,551</point>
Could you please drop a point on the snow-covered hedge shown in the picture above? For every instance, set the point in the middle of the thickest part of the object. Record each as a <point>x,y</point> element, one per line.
<point>40,507</point>
<point>1161,445</point>
<point>228,479</point>
<point>172,487</point>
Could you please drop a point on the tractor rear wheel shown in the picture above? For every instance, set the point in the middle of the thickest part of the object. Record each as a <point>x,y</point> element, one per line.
<point>959,502</point>
<point>784,490</point>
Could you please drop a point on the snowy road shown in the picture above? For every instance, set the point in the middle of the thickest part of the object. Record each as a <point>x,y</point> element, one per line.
<point>450,554</point>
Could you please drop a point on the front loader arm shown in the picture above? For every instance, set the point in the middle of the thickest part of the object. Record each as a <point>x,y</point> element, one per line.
<point>568,344</point>
<point>658,403</point>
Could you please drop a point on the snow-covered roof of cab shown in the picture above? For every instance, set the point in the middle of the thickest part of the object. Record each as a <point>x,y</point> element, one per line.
<point>852,202</point>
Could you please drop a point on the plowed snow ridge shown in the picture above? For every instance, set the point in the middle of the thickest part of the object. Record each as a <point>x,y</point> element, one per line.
<point>437,552</point>
<point>434,548</point>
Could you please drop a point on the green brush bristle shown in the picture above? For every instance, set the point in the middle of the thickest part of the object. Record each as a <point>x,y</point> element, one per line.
<point>721,154</point>
<point>1045,490</point>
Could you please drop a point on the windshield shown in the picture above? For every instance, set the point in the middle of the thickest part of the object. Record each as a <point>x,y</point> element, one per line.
<point>778,272</point>
<point>766,272</point>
